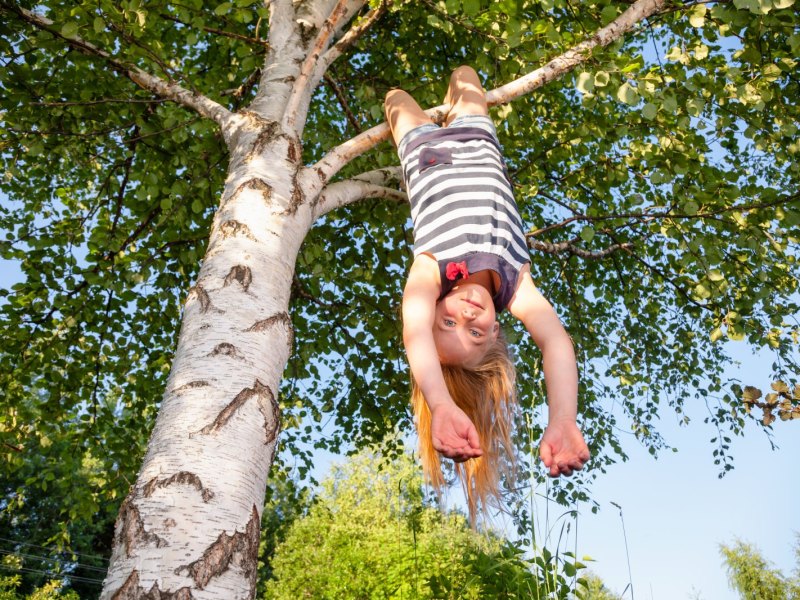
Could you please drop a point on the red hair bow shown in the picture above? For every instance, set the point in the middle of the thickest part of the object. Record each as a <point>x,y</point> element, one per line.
<point>455,269</point>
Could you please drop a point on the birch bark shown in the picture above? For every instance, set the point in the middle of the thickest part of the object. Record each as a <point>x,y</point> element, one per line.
<point>190,526</point>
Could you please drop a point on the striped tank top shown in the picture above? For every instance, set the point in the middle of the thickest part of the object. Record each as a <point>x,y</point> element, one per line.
<point>462,204</point>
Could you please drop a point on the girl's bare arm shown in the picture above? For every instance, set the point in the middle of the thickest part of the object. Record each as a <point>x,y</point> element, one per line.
<point>563,448</point>
<point>453,433</point>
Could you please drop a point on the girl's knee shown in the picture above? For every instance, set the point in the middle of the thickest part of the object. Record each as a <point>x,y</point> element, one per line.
<point>395,97</point>
<point>464,72</point>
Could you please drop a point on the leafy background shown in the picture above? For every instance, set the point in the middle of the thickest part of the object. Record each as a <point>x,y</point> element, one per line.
<point>680,141</point>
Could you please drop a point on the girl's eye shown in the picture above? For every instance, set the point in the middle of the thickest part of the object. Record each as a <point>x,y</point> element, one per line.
<point>449,322</point>
<point>474,333</point>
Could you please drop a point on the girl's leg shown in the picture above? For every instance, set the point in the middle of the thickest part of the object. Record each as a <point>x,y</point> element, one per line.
<point>403,114</point>
<point>465,94</point>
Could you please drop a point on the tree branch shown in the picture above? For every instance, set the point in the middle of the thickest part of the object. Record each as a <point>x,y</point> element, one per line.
<point>347,191</point>
<point>222,32</point>
<point>647,216</point>
<point>339,156</point>
<point>384,176</point>
<point>281,15</point>
<point>301,84</point>
<point>571,248</point>
<point>351,37</point>
<point>246,86</point>
<point>337,91</point>
<point>168,90</point>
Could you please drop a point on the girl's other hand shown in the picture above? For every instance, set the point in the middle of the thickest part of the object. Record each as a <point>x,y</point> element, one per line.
<point>563,449</point>
<point>453,434</point>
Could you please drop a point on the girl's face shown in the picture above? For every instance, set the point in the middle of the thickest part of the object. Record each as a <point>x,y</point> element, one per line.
<point>464,326</point>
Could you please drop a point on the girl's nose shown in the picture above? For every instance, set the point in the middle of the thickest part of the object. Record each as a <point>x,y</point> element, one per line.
<point>468,313</point>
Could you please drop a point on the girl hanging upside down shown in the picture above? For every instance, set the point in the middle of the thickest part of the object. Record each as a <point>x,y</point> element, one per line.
<point>470,262</point>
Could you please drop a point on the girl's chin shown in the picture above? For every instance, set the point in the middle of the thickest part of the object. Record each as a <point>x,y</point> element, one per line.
<point>469,286</point>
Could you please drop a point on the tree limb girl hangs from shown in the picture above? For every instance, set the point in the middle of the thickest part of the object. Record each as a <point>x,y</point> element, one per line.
<point>471,262</point>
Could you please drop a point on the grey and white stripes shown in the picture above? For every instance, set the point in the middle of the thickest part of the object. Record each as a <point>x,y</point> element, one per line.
<point>461,199</point>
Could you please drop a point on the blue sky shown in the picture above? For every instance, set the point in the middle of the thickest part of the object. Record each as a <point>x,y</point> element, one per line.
<point>677,511</point>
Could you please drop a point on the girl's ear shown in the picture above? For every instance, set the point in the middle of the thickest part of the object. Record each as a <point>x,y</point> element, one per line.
<point>495,330</point>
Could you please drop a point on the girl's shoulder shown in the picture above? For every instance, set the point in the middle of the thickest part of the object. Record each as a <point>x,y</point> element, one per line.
<point>425,271</point>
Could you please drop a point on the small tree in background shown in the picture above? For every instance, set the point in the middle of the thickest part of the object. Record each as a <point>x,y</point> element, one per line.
<point>595,589</point>
<point>755,578</point>
<point>371,533</point>
<point>10,584</point>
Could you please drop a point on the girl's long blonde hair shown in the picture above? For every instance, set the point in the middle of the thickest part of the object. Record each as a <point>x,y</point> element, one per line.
<point>487,395</point>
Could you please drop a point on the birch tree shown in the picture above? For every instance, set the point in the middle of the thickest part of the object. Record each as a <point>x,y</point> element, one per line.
<point>130,127</point>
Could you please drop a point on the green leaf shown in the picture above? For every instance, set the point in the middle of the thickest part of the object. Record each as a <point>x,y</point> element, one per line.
<point>223,8</point>
<point>471,7</point>
<point>694,106</point>
<point>649,111</point>
<point>587,233</point>
<point>70,30</point>
<point>627,94</point>
<point>601,79</point>
<point>609,13</point>
<point>690,207</point>
<point>585,82</point>
<point>736,332</point>
<point>697,15</point>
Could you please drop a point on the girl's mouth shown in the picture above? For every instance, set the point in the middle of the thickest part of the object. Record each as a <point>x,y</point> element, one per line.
<point>473,303</point>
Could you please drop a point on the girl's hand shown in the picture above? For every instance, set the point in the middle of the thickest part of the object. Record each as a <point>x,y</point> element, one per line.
<point>563,449</point>
<point>454,435</point>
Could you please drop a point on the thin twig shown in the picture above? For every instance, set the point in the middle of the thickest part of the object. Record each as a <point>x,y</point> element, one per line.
<point>343,102</point>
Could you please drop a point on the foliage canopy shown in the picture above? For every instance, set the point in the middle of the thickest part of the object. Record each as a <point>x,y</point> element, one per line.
<point>659,184</point>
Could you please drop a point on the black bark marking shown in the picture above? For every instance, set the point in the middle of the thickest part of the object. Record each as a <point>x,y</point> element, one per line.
<point>297,198</point>
<point>272,418</point>
<point>184,477</point>
<point>267,406</point>
<point>279,318</point>
<point>202,296</point>
<point>254,184</point>
<point>191,385</point>
<point>130,529</point>
<point>130,590</point>
<point>239,273</point>
<point>265,136</point>
<point>226,350</point>
<point>239,549</point>
<point>232,228</point>
<point>295,153</point>
<point>256,118</point>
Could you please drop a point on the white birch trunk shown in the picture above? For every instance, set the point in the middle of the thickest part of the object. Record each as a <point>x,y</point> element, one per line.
<point>190,526</point>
